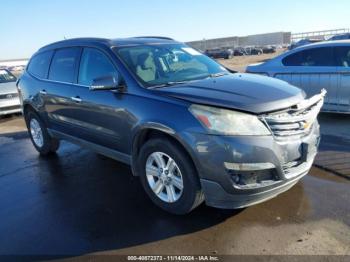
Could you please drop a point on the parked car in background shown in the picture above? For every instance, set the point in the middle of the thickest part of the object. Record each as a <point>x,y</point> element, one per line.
<point>9,99</point>
<point>324,65</point>
<point>220,53</point>
<point>340,37</point>
<point>190,130</point>
<point>270,49</point>
<point>253,51</point>
<point>18,68</point>
<point>239,51</point>
<point>304,42</point>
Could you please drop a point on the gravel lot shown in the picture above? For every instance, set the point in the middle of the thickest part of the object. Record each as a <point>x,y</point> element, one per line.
<point>239,63</point>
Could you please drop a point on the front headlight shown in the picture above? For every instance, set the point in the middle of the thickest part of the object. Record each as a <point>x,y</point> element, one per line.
<point>227,122</point>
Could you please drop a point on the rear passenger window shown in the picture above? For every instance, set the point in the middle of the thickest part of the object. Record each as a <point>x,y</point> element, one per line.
<point>39,64</point>
<point>94,64</point>
<point>342,54</point>
<point>321,56</point>
<point>63,65</point>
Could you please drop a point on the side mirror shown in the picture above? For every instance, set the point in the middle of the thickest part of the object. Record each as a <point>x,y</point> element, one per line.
<point>106,83</point>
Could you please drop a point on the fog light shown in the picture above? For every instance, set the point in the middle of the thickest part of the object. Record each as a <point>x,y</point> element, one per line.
<point>255,179</point>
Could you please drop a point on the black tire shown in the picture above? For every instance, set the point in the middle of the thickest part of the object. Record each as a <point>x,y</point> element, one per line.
<point>192,195</point>
<point>50,145</point>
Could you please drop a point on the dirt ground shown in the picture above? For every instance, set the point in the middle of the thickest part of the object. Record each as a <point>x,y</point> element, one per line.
<point>239,63</point>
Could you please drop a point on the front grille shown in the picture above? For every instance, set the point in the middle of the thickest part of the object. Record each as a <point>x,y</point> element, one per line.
<point>9,96</point>
<point>296,121</point>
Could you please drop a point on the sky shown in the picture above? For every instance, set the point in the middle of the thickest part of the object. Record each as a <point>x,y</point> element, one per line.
<point>26,25</point>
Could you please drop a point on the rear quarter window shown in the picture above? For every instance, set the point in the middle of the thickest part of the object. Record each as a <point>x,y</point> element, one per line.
<point>39,64</point>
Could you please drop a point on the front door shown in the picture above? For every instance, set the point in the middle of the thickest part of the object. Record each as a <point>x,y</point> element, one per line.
<point>312,70</point>
<point>103,117</point>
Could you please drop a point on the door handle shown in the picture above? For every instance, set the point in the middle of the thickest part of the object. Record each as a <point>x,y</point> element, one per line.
<point>43,92</point>
<point>76,99</point>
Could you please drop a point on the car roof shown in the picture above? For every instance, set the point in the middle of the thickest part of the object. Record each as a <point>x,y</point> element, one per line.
<point>139,40</point>
<point>324,44</point>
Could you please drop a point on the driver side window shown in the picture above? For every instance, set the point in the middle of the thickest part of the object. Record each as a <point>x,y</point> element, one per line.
<point>94,64</point>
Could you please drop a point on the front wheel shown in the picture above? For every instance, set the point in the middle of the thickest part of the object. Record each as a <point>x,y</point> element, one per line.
<point>42,141</point>
<point>169,177</point>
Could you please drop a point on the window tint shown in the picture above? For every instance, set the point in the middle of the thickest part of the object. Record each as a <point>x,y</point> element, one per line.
<point>322,56</point>
<point>63,65</point>
<point>39,64</point>
<point>94,64</point>
<point>342,54</point>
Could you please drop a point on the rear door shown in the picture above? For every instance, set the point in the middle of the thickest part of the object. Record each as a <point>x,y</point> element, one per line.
<point>312,70</point>
<point>343,67</point>
<point>60,93</point>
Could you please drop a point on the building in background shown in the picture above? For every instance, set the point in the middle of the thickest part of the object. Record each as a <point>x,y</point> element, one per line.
<point>319,35</point>
<point>277,38</point>
<point>13,62</point>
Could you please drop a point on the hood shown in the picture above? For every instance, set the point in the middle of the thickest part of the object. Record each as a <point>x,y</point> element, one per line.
<point>245,92</point>
<point>8,88</point>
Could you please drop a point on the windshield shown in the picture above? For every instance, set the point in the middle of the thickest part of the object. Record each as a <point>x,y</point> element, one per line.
<point>6,76</point>
<point>157,65</point>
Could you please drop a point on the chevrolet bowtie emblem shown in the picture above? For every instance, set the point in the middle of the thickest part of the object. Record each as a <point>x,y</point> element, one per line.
<point>306,125</point>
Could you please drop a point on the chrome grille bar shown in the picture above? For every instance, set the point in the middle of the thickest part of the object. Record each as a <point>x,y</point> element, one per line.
<point>298,120</point>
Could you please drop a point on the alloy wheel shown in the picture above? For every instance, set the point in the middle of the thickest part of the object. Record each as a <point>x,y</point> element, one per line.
<point>164,177</point>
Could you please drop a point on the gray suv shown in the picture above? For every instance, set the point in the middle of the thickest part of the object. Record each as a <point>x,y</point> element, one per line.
<point>190,129</point>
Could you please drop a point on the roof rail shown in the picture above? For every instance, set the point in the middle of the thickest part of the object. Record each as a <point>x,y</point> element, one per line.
<point>159,37</point>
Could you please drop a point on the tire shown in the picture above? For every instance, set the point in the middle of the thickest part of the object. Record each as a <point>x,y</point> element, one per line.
<point>176,201</point>
<point>42,141</point>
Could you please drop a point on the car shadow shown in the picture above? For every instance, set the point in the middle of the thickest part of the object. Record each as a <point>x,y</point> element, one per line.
<point>108,206</point>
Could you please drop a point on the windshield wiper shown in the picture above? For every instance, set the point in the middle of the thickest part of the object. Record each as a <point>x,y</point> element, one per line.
<point>170,83</point>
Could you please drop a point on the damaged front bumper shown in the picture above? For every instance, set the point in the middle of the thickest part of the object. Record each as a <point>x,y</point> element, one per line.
<point>239,171</point>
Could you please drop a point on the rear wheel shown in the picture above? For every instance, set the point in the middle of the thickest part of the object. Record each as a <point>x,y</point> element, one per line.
<point>169,177</point>
<point>42,141</point>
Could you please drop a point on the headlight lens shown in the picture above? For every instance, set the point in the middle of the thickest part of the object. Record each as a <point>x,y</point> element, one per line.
<point>227,122</point>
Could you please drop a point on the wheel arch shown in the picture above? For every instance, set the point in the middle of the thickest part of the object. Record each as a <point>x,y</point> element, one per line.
<point>28,107</point>
<point>149,131</point>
